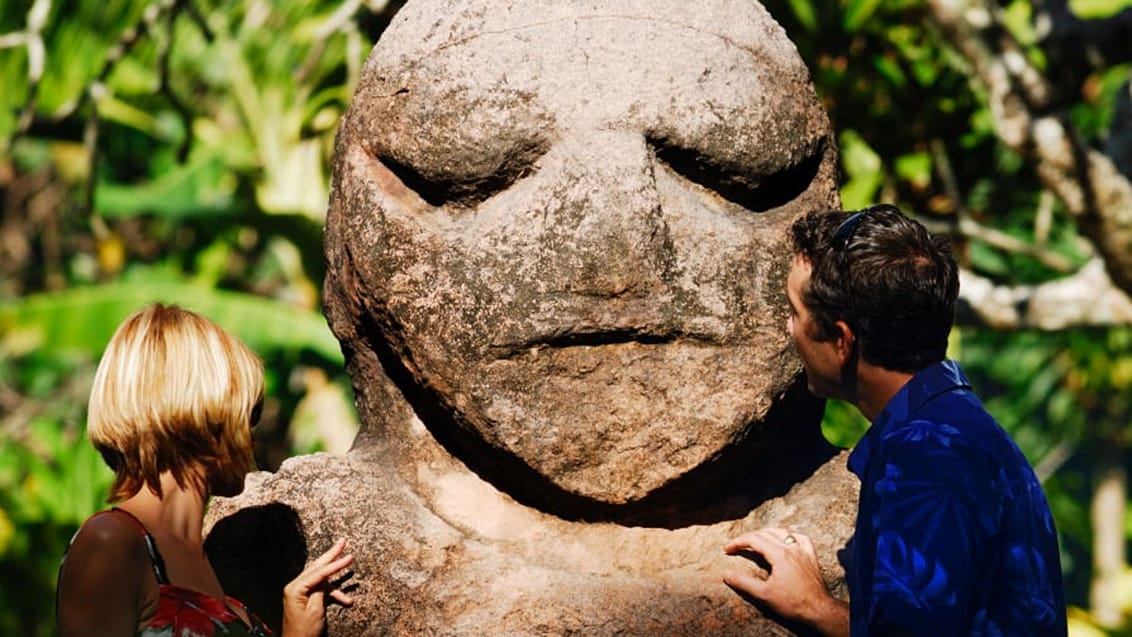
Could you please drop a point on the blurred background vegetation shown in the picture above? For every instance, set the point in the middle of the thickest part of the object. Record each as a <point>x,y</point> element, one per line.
<point>179,150</point>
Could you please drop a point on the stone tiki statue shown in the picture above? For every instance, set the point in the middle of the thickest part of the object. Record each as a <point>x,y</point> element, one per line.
<point>556,255</point>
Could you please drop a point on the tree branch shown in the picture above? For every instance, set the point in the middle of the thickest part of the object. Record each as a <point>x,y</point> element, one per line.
<point>32,39</point>
<point>1085,180</point>
<point>1085,298</point>
<point>971,229</point>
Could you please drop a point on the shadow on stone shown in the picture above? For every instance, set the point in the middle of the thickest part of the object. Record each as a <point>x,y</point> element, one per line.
<point>256,552</point>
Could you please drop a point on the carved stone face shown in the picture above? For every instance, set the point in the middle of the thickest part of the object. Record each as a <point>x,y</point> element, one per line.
<point>568,224</point>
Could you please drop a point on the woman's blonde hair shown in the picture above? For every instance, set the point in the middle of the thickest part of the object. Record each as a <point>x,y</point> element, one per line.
<point>174,392</point>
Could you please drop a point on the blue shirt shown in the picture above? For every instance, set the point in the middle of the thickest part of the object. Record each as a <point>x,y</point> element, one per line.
<point>954,535</point>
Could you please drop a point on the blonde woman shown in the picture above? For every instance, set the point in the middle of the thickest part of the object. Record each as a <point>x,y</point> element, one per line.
<point>171,411</point>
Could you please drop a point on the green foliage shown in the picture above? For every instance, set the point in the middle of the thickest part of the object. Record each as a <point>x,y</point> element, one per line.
<point>863,173</point>
<point>900,100</point>
<point>45,322</point>
<point>50,480</point>
<point>208,186</point>
<point>1065,399</point>
<point>1098,8</point>
<point>198,187</point>
<point>842,424</point>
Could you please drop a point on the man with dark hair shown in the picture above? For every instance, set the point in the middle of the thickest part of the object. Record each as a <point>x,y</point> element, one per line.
<point>954,535</point>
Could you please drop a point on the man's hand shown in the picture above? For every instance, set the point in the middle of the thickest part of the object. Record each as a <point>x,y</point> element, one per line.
<point>304,599</point>
<point>793,588</point>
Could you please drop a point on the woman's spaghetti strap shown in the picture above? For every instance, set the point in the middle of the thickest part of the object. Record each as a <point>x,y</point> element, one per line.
<point>150,545</point>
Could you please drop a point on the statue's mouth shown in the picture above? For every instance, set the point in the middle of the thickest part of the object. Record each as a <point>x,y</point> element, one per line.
<point>564,339</point>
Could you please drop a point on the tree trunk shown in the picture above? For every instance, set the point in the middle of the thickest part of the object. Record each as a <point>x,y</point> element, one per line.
<point>1107,515</point>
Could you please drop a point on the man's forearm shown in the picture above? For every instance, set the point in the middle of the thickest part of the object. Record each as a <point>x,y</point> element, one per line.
<point>830,618</point>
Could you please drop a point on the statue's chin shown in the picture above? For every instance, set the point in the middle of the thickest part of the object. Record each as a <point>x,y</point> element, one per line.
<point>615,423</point>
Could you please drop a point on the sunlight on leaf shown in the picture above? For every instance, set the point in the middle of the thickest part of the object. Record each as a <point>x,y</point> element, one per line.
<point>1093,9</point>
<point>862,168</point>
<point>82,318</point>
<point>804,12</point>
<point>7,532</point>
<point>116,110</point>
<point>915,168</point>
<point>203,185</point>
<point>857,13</point>
<point>1081,624</point>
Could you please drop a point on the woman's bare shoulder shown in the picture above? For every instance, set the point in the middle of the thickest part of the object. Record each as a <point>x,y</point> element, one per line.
<point>109,535</point>
<point>106,582</point>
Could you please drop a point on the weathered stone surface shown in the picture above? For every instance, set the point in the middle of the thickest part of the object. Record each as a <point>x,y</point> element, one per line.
<point>445,553</point>
<point>556,254</point>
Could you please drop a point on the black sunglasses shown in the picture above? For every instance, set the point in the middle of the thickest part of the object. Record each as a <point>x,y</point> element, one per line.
<point>843,236</point>
<point>844,233</point>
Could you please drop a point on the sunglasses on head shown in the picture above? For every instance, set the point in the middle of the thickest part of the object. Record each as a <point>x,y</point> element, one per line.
<point>843,236</point>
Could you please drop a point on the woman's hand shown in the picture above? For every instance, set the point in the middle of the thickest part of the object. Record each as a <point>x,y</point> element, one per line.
<point>304,599</point>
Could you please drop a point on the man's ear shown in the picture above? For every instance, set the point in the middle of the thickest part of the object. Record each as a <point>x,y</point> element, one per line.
<point>845,341</point>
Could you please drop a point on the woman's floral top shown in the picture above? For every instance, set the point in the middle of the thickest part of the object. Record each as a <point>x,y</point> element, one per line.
<point>954,535</point>
<point>182,612</point>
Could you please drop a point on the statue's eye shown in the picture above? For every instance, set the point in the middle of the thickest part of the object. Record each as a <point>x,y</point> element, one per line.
<point>748,189</point>
<point>467,145</point>
<point>439,187</point>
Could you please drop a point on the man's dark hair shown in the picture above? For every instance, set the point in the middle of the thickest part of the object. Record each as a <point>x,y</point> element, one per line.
<point>882,273</point>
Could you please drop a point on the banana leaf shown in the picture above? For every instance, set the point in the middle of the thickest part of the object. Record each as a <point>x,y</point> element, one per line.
<point>84,319</point>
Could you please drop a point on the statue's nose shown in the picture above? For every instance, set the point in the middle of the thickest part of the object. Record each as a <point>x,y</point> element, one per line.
<point>604,220</point>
